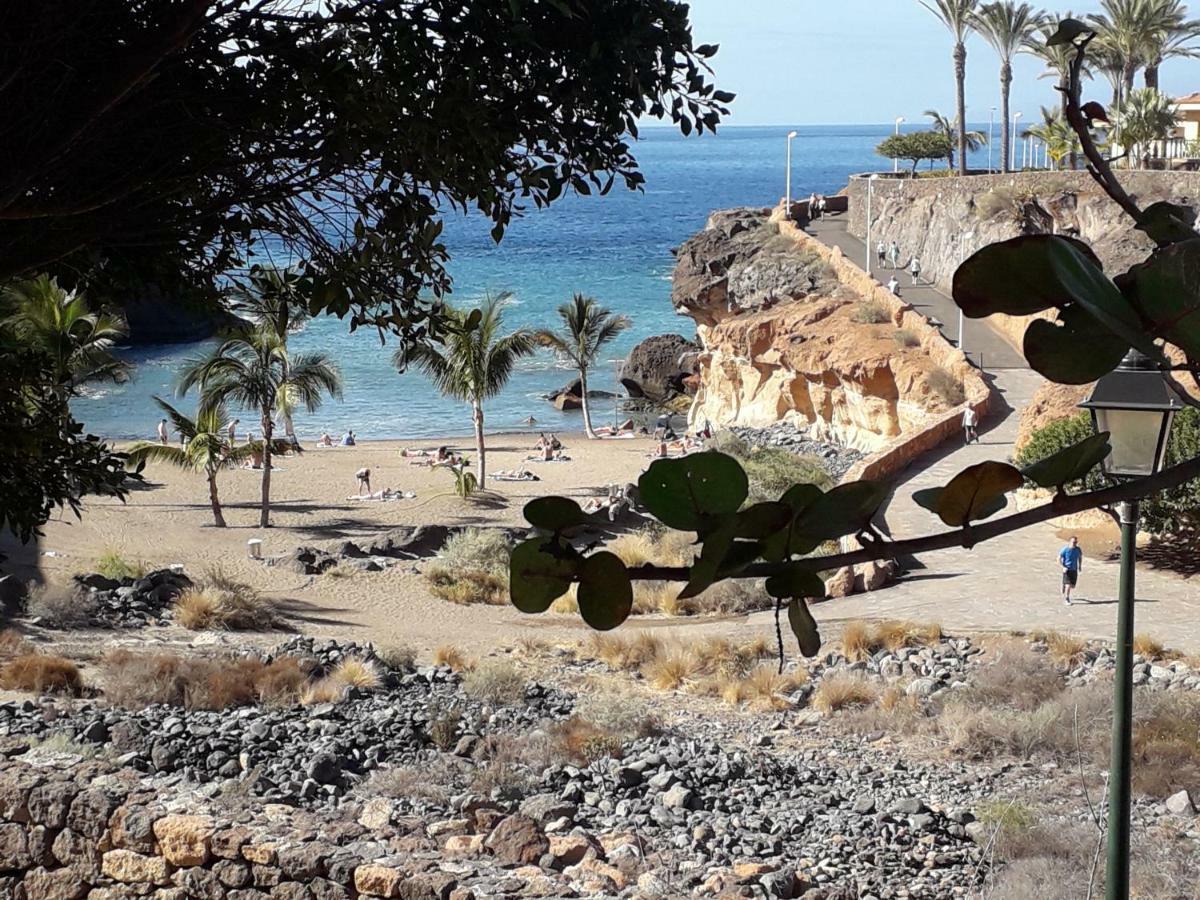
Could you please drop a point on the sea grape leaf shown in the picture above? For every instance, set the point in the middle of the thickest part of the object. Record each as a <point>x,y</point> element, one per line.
<point>703,572</point>
<point>795,581</point>
<point>605,591</point>
<point>1017,277</point>
<point>763,519</point>
<point>846,509</point>
<point>1068,30</point>
<point>1070,463</point>
<point>1076,349</point>
<point>540,571</point>
<point>688,493</point>
<point>804,627</point>
<point>781,544</point>
<point>1166,289</point>
<point>554,513</point>
<point>1167,223</point>
<point>974,493</point>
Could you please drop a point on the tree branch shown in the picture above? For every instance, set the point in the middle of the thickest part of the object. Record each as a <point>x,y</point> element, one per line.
<point>977,533</point>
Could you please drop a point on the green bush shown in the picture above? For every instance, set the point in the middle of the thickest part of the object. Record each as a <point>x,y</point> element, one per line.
<point>1170,512</point>
<point>946,386</point>
<point>868,312</point>
<point>472,568</point>
<point>772,470</point>
<point>112,564</point>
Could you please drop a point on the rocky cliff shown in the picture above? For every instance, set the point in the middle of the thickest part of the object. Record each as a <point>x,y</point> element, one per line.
<point>790,333</point>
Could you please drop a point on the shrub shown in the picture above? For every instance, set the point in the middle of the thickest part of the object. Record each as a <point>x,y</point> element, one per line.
<point>431,781</point>
<point>618,715</point>
<point>868,312</point>
<point>582,741</point>
<point>41,674</point>
<point>1017,677</point>
<point>112,564</point>
<point>772,470</point>
<point>1001,200</point>
<point>61,608</point>
<point>356,673</point>
<point>281,681</point>
<point>12,644</point>
<point>449,655</point>
<point>472,568</point>
<point>221,684</point>
<point>1145,645</point>
<point>861,640</point>
<point>63,743</point>
<point>1166,743</point>
<point>324,691</point>
<point>653,545</point>
<point>443,730</point>
<point>495,681</point>
<point>671,670</point>
<point>905,337</point>
<point>398,657</point>
<point>1058,435</point>
<point>842,691</point>
<point>947,386</point>
<point>137,680</point>
<point>226,603</point>
<point>1065,649</point>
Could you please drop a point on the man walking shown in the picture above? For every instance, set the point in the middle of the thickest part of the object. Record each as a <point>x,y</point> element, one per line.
<point>1070,558</point>
<point>970,424</point>
<point>915,268</point>
<point>894,255</point>
<point>881,253</point>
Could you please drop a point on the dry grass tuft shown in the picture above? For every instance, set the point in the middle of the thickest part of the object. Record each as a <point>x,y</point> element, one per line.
<point>196,609</point>
<point>651,545</point>
<point>947,386</point>
<point>1146,646</point>
<point>397,657</point>
<point>868,312</point>
<point>1065,649</point>
<point>137,680</point>
<point>673,669</point>
<point>467,588</point>
<point>905,337</point>
<point>495,681</point>
<point>13,644</point>
<point>224,602</point>
<point>1166,744</point>
<point>621,653</point>
<point>857,641</point>
<point>765,687</point>
<point>60,607</point>
<point>280,682</point>
<point>324,691</point>
<point>449,655</point>
<point>583,741</point>
<point>472,568</point>
<point>861,640</point>
<point>357,673</point>
<point>843,691</point>
<point>41,674</point>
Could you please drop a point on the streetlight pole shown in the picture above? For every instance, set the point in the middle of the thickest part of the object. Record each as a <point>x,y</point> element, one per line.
<point>1119,790</point>
<point>1012,153</point>
<point>991,136</point>
<point>870,186</point>
<point>787,207</point>
<point>896,162</point>
<point>962,255</point>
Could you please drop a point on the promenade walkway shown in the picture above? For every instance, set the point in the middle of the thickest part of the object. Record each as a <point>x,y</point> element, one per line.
<point>1011,582</point>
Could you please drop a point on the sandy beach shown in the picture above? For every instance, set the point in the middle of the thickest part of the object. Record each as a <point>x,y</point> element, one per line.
<point>169,520</point>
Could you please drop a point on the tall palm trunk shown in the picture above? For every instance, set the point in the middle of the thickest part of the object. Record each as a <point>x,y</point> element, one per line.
<point>1005,124</point>
<point>1127,79</point>
<point>1151,74</point>
<point>218,516</point>
<point>477,419</point>
<point>264,518</point>
<point>960,99</point>
<point>587,413</point>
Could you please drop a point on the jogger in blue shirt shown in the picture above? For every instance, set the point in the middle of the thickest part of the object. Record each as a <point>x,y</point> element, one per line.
<point>1070,558</point>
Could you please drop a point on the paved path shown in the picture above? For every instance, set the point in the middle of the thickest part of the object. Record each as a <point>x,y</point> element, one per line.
<point>1011,582</point>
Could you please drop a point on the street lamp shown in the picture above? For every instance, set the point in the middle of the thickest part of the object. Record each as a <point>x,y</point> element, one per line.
<point>991,137</point>
<point>1135,405</point>
<point>963,240</point>
<point>787,207</point>
<point>896,161</point>
<point>1012,153</point>
<point>870,186</point>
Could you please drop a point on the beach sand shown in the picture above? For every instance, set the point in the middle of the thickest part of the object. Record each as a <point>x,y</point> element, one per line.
<point>169,521</point>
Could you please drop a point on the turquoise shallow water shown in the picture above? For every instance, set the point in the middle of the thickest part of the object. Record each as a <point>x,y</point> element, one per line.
<point>616,248</point>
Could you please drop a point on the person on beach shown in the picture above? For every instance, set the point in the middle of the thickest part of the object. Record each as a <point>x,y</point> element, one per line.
<point>970,424</point>
<point>233,431</point>
<point>1070,558</point>
<point>325,440</point>
<point>894,286</point>
<point>163,438</point>
<point>363,476</point>
<point>813,212</point>
<point>915,268</point>
<point>894,255</point>
<point>348,439</point>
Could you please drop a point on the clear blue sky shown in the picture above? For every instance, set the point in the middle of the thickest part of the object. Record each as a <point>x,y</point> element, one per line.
<point>807,62</point>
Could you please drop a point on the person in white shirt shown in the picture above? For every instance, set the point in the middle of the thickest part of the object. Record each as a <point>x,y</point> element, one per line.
<point>970,422</point>
<point>894,286</point>
<point>162,432</point>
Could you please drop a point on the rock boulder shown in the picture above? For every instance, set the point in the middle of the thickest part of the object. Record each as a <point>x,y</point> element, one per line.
<point>659,366</point>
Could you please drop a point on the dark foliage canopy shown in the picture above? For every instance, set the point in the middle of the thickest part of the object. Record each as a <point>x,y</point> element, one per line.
<point>170,141</point>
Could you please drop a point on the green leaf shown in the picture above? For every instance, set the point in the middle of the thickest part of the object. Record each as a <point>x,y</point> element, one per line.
<point>605,591</point>
<point>1168,223</point>
<point>1070,463</point>
<point>1017,277</point>
<point>554,513</point>
<point>540,571</point>
<point>762,520</point>
<point>1076,349</point>
<point>974,493</point>
<point>1166,289</point>
<point>686,494</point>
<point>1068,31</point>
<point>804,627</point>
<point>795,581</point>
<point>846,509</point>
<point>471,322</point>
<point>712,555</point>
<point>781,544</point>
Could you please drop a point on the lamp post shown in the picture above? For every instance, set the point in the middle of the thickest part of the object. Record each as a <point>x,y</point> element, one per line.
<point>896,162</point>
<point>870,186</point>
<point>991,136</point>
<point>962,255</point>
<point>1135,405</point>
<point>787,202</point>
<point>1012,153</point>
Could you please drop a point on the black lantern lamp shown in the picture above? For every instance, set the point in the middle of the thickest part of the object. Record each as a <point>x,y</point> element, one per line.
<point>1136,405</point>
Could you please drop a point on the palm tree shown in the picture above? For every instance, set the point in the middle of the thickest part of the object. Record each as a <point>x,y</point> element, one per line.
<point>1146,117</point>
<point>586,328</point>
<point>1057,134</point>
<point>1008,27</point>
<point>59,324</point>
<point>474,362</point>
<point>206,448</point>
<point>1123,37</point>
<point>1170,34</point>
<point>1057,58</point>
<point>252,369</point>
<point>949,127</point>
<point>958,16</point>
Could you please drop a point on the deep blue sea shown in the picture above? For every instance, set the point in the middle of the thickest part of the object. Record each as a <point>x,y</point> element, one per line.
<point>615,248</point>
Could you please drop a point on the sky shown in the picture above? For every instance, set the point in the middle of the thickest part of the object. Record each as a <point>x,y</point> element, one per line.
<point>820,62</point>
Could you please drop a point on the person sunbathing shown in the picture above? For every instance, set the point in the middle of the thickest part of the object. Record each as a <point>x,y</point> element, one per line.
<point>325,440</point>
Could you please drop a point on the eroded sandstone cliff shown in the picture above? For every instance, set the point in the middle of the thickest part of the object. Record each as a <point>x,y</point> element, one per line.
<point>790,333</point>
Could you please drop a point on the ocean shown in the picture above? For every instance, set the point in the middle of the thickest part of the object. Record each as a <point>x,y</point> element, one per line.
<point>615,248</point>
